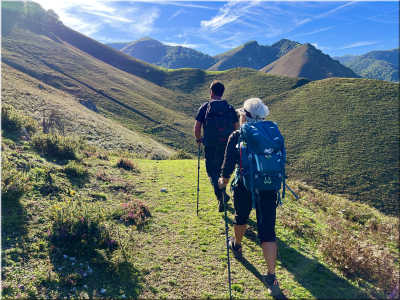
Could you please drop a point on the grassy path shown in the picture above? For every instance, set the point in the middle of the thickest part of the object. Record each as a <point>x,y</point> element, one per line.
<point>185,255</point>
<point>178,255</point>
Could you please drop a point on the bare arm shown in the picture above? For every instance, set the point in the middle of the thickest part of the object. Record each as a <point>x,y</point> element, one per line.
<point>197,132</point>
<point>236,125</point>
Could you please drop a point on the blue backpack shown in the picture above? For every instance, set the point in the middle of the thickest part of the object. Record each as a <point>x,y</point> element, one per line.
<point>262,159</point>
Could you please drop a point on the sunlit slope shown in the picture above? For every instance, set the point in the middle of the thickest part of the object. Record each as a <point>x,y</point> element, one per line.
<point>21,91</point>
<point>342,136</point>
<point>240,84</point>
<point>132,101</point>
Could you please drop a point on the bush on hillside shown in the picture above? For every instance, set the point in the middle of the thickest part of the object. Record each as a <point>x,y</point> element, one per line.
<point>79,227</point>
<point>102,156</point>
<point>13,121</point>
<point>76,170</point>
<point>180,154</point>
<point>14,183</point>
<point>134,212</point>
<point>57,146</point>
<point>126,164</point>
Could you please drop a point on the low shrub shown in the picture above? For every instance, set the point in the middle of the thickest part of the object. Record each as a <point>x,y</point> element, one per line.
<point>102,156</point>
<point>14,183</point>
<point>135,212</point>
<point>13,120</point>
<point>76,170</point>
<point>180,154</point>
<point>126,164</point>
<point>57,146</point>
<point>79,227</point>
<point>356,255</point>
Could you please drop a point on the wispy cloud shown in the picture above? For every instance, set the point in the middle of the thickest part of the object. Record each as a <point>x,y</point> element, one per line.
<point>333,10</point>
<point>358,44</point>
<point>315,31</point>
<point>320,47</point>
<point>228,14</point>
<point>176,14</point>
<point>304,21</point>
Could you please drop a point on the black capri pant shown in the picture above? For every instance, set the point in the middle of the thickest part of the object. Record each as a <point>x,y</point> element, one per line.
<point>242,201</point>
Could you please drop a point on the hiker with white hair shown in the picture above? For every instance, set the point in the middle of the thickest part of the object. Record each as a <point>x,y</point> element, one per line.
<point>265,197</point>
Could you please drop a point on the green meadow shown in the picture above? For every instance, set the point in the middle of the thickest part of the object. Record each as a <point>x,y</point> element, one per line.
<point>98,226</point>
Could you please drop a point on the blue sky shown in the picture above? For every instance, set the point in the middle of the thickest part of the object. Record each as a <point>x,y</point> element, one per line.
<point>213,27</point>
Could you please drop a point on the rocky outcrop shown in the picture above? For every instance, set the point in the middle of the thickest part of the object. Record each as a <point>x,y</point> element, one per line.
<point>88,104</point>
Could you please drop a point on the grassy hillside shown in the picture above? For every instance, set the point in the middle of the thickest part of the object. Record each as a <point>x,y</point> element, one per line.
<point>240,84</point>
<point>342,136</point>
<point>96,228</point>
<point>308,62</point>
<point>22,92</point>
<point>132,101</point>
<point>68,61</point>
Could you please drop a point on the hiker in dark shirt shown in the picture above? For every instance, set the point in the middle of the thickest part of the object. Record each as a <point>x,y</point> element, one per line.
<point>213,155</point>
<point>253,110</point>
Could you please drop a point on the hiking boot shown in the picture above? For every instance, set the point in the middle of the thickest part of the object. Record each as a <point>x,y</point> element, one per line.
<point>236,249</point>
<point>273,286</point>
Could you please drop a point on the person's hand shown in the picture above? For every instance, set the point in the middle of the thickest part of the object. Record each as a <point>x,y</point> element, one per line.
<point>198,142</point>
<point>222,182</point>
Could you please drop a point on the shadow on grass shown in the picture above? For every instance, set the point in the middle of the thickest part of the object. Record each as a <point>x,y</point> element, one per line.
<point>13,219</point>
<point>309,273</point>
<point>117,278</point>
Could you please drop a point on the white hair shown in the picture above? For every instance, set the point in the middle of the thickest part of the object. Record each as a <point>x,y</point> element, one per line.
<point>256,108</point>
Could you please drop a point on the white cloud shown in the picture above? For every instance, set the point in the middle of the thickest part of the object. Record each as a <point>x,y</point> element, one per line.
<point>320,47</point>
<point>358,44</point>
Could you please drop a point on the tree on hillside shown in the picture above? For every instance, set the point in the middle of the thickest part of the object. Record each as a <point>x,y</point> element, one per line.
<point>52,119</point>
<point>52,15</point>
<point>35,11</point>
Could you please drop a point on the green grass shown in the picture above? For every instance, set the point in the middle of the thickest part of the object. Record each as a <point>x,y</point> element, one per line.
<point>176,254</point>
<point>334,130</point>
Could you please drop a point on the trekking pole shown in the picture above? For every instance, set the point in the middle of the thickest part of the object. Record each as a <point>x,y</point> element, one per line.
<point>198,179</point>
<point>227,241</point>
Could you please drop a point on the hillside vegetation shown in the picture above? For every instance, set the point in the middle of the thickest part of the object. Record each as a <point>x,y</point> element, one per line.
<point>99,226</point>
<point>22,92</point>
<point>382,65</point>
<point>342,136</point>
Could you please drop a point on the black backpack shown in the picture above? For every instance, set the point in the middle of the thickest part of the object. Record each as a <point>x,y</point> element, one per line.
<point>218,124</point>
